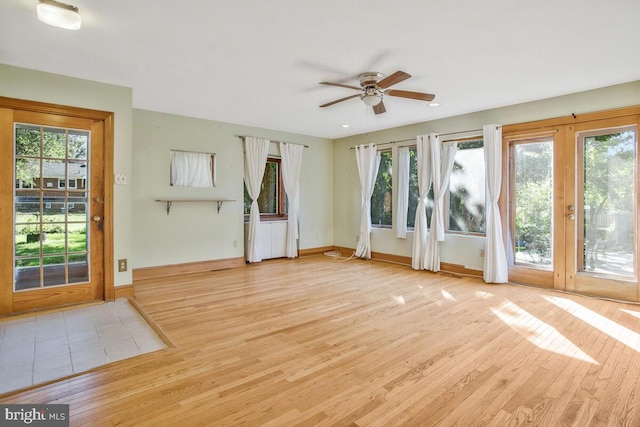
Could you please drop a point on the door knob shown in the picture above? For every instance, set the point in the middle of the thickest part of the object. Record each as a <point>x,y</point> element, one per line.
<point>571,217</point>
<point>571,208</point>
<point>97,218</point>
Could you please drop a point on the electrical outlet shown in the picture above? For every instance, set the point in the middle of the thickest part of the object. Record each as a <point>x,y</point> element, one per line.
<point>122,265</point>
<point>481,253</point>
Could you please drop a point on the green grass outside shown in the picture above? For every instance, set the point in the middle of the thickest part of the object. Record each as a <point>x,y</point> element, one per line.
<point>52,248</point>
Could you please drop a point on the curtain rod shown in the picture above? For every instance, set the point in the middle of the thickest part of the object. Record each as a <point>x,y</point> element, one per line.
<point>441,134</point>
<point>516,137</point>
<point>192,151</point>
<point>284,142</point>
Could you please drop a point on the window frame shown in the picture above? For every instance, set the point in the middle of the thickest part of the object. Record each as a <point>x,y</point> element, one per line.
<point>394,172</point>
<point>447,230</point>
<point>281,214</point>
<point>429,195</point>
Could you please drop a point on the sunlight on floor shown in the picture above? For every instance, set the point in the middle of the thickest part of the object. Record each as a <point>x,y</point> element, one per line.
<point>484,295</point>
<point>632,313</point>
<point>539,333</point>
<point>399,299</point>
<point>447,295</point>
<point>616,331</point>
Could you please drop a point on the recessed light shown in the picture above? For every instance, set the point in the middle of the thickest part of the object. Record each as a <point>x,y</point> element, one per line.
<point>433,104</point>
<point>346,126</point>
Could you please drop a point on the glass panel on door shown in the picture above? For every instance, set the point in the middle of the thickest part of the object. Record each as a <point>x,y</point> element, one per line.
<point>606,200</point>
<point>51,207</point>
<point>532,203</point>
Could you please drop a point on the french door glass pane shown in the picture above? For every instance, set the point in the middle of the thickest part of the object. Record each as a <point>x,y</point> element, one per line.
<point>608,201</point>
<point>533,208</point>
<point>50,205</point>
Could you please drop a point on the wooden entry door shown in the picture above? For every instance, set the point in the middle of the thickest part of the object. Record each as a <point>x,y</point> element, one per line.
<point>53,208</point>
<point>572,207</point>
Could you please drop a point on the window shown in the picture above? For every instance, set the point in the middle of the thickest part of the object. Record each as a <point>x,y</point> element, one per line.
<point>61,183</point>
<point>381,204</point>
<point>467,189</point>
<point>414,193</point>
<point>24,184</point>
<point>272,199</point>
<point>71,183</point>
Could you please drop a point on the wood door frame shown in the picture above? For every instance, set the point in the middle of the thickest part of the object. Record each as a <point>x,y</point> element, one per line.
<point>108,118</point>
<point>565,126</point>
<point>517,273</point>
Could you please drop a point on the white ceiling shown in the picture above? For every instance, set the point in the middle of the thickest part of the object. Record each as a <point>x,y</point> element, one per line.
<point>258,62</point>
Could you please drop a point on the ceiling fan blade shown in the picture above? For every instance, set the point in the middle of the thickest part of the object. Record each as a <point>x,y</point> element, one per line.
<point>394,78</point>
<point>338,100</point>
<point>412,95</point>
<point>340,85</point>
<point>379,109</point>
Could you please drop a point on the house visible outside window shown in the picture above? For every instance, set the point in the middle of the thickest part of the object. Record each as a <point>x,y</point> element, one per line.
<point>272,199</point>
<point>22,184</point>
<point>467,189</point>
<point>381,200</point>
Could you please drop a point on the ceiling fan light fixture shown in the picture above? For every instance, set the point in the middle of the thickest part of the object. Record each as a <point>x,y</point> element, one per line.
<point>371,99</point>
<point>59,14</point>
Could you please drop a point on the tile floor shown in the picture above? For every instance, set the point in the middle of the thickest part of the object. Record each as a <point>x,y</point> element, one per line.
<point>41,348</point>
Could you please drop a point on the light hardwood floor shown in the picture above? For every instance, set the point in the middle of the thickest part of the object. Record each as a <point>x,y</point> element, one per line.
<point>315,342</point>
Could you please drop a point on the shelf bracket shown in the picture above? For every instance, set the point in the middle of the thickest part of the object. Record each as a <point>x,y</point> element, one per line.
<point>220,202</point>
<point>169,206</point>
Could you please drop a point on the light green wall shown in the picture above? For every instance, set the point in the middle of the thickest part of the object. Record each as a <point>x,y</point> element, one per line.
<point>458,249</point>
<point>196,232</point>
<point>330,190</point>
<point>33,85</point>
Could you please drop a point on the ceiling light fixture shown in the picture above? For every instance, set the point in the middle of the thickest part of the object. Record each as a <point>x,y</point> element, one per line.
<point>371,99</point>
<point>346,126</point>
<point>433,104</point>
<point>59,14</point>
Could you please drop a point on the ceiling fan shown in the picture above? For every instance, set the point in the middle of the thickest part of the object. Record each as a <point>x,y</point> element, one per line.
<point>374,86</point>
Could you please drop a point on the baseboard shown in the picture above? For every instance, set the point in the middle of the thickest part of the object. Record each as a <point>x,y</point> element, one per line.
<point>445,267</point>
<point>398,259</point>
<point>314,251</point>
<point>126,291</point>
<point>190,267</point>
<point>344,251</point>
<point>460,269</point>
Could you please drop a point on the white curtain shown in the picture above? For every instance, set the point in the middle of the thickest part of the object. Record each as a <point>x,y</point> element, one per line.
<point>255,161</point>
<point>424,183</point>
<point>403,193</point>
<point>291,166</point>
<point>368,161</point>
<point>190,169</point>
<point>442,157</point>
<point>495,255</point>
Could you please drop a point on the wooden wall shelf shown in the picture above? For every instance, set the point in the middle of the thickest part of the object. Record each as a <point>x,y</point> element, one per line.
<point>169,202</point>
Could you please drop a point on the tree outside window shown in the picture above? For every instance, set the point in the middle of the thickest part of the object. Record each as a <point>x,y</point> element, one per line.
<point>272,198</point>
<point>381,200</point>
<point>467,189</point>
